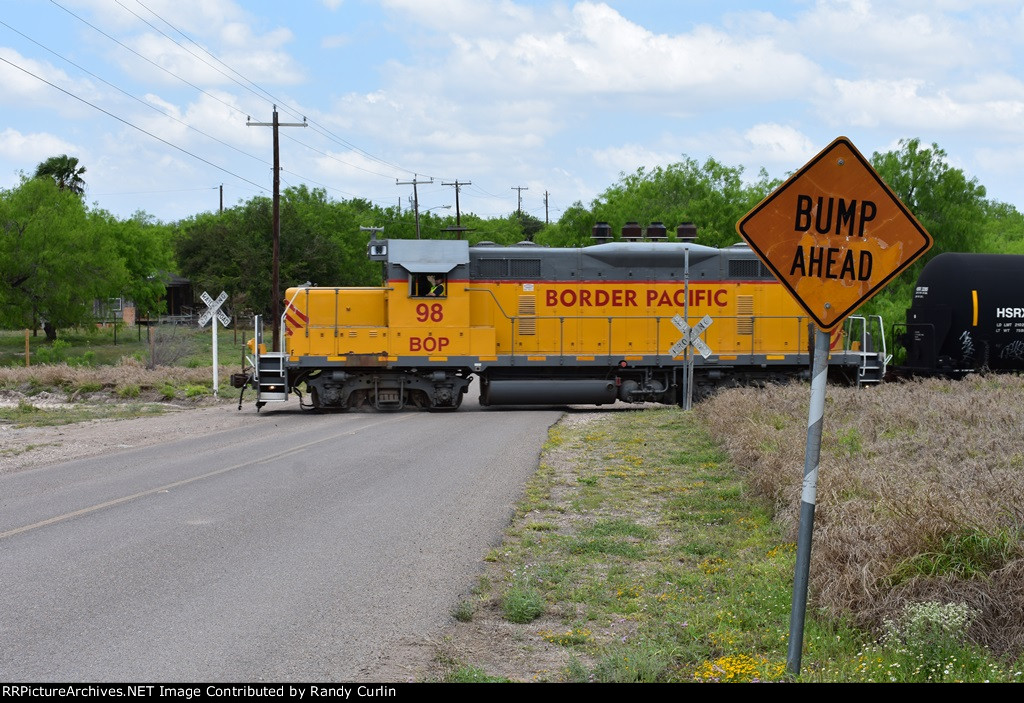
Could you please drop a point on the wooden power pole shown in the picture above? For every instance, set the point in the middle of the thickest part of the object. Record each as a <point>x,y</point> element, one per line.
<point>415,197</point>
<point>276,266</point>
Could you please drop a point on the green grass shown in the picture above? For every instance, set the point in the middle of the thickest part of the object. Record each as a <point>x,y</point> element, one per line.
<point>190,346</point>
<point>522,604</point>
<point>27,415</point>
<point>972,554</point>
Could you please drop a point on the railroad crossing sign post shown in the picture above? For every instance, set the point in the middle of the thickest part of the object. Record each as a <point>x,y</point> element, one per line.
<point>690,338</point>
<point>214,313</point>
<point>834,234</point>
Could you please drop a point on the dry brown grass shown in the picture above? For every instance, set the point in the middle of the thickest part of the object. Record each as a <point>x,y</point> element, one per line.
<point>920,493</point>
<point>129,372</point>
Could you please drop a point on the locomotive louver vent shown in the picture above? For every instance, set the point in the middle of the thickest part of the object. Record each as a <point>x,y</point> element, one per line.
<point>492,268</point>
<point>745,314</point>
<point>508,268</point>
<point>748,268</point>
<point>527,310</point>
<point>525,268</point>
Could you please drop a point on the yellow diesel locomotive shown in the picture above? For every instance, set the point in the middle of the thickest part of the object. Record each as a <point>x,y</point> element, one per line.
<point>539,325</point>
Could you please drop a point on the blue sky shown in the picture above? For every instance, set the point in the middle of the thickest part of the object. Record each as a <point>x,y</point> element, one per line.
<point>152,96</point>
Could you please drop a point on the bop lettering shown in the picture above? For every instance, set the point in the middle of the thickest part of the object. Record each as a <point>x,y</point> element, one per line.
<point>428,344</point>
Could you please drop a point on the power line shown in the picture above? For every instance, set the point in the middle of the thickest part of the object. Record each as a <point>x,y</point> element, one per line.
<point>137,99</point>
<point>192,85</point>
<point>136,127</point>
<point>147,60</point>
<point>322,130</point>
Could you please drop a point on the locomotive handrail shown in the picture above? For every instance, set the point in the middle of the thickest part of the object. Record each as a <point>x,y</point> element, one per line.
<point>799,320</point>
<point>494,297</point>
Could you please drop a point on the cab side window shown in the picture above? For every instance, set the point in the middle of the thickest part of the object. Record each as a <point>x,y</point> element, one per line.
<point>430,285</point>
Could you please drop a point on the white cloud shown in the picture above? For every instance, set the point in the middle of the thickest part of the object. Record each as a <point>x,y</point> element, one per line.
<point>911,104</point>
<point>34,147</point>
<point>25,83</point>
<point>892,38</point>
<point>475,17</point>
<point>627,158</point>
<point>598,51</point>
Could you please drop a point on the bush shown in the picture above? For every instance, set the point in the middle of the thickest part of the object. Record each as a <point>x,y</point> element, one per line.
<point>522,604</point>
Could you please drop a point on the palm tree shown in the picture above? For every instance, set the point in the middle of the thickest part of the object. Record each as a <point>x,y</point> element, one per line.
<point>65,171</point>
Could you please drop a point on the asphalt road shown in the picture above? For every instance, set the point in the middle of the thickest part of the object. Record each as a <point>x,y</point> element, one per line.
<point>300,549</point>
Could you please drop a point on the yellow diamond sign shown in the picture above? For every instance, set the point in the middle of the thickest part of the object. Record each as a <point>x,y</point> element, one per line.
<point>834,234</point>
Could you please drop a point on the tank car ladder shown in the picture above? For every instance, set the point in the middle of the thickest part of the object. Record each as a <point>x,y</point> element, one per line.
<point>269,374</point>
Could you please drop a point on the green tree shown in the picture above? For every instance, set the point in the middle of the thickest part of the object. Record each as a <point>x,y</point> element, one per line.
<point>711,195</point>
<point>1002,229</point>
<point>65,172</point>
<point>320,242</point>
<point>945,201</point>
<point>145,249</point>
<point>53,262</point>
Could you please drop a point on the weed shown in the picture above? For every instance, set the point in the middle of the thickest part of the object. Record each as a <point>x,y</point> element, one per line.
<point>463,612</point>
<point>473,674</point>
<point>638,662</point>
<point>522,604</point>
<point>850,442</point>
<point>129,390</point>
<point>969,555</point>
<point>575,636</point>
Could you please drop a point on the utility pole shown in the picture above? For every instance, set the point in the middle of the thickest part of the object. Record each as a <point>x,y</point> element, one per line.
<point>222,198</point>
<point>519,209</point>
<point>276,266</point>
<point>546,220</point>
<point>415,197</point>
<point>458,187</point>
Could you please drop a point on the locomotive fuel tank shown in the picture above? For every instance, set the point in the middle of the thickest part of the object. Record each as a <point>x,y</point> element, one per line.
<point>967,315</point>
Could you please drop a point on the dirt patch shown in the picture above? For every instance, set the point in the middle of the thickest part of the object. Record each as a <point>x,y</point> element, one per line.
<point>24,448</point>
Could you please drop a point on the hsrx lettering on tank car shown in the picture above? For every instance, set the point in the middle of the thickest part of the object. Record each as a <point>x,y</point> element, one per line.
<point>1010,312</point>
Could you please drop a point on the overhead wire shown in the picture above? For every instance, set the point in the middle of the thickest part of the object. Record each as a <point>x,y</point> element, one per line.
<point>192,85</point>
<point>295,112</point>
<point>130,124</point>
<point>135,98</point>
<point>262,93</point>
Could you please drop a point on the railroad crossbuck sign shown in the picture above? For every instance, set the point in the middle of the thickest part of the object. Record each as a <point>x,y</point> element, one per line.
<point>691,336</point>
<point>213,308</point>
<point>834,234</point>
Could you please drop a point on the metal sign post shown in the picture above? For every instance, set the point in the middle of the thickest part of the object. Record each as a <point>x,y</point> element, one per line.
<point>214,313</point>
<point>808,499</point>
